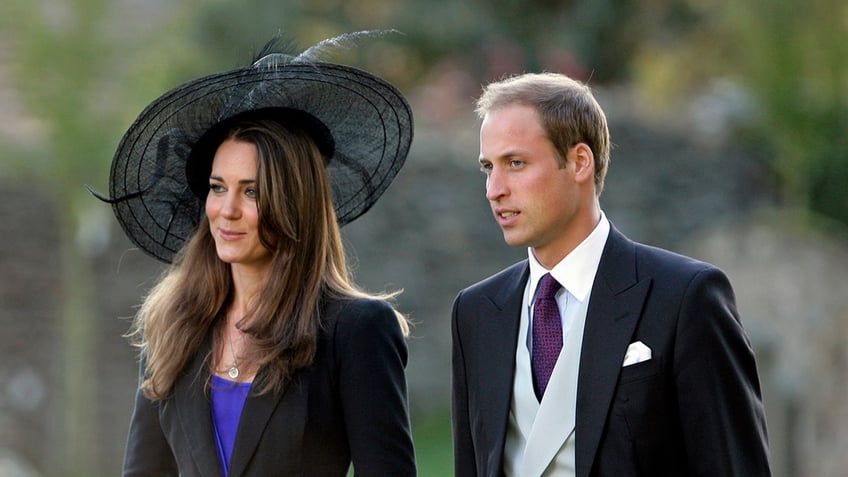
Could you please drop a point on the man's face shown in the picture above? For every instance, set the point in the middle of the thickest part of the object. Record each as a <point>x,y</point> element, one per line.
<point>533,199</point>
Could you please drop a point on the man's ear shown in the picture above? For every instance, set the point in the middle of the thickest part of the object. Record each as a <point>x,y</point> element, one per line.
<point>584,162</point>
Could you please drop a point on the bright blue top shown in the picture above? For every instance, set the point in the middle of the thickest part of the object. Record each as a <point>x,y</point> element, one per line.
<point>227,402</point>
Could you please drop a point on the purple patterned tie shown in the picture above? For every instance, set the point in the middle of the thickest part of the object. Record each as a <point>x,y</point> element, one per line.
<point>547,333</point>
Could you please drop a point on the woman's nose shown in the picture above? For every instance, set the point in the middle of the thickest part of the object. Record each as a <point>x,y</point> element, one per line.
<point>230,207</point>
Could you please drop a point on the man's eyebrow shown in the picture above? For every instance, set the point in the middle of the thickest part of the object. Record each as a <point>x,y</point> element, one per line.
<point>508,155</point>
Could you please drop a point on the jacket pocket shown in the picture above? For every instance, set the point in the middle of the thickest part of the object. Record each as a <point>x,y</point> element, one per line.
<point>640,371</point>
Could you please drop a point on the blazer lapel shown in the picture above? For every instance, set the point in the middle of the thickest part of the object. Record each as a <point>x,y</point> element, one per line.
<point>195,416</point>
<point>255,417</point>
<point>615,307</point>
<point>500,309</point>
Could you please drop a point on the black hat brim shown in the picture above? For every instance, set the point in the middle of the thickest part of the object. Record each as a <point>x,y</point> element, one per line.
<point>369,120</point>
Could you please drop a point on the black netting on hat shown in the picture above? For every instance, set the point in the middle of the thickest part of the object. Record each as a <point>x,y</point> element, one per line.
<point>369,120</point>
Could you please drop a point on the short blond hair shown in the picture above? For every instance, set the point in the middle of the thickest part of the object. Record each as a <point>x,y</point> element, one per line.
<point>567,110</point>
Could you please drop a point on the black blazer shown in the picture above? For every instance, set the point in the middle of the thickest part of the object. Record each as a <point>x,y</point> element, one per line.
<point>349,405</point>
<point>693,409</point>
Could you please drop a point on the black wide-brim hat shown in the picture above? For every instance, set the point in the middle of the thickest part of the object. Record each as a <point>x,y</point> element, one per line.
<point>362,124</point>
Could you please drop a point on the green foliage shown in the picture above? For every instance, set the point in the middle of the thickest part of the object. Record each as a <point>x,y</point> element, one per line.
<point>84,69</point>
<point>71,64</point>
<point>791,58</point>
<point>795,62</point>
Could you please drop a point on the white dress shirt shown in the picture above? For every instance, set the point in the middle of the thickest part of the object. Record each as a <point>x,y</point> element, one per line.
<point>576,273</point>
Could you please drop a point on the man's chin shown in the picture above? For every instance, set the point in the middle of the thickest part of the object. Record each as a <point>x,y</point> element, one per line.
<point>513,240</point>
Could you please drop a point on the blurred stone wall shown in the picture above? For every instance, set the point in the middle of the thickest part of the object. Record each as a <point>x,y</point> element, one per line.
<point>792,293</point>
<point>432,234</point>
<point>29,306</point>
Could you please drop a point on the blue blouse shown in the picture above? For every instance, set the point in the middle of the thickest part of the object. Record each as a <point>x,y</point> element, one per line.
<point>227,402</point>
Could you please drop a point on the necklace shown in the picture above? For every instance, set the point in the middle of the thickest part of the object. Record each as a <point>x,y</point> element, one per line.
<point>233,372</point>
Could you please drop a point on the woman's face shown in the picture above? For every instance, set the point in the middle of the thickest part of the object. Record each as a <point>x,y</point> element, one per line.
<point>231,205</point>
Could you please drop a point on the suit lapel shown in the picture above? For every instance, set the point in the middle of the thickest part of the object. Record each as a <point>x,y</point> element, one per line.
<point>255,417</point>
<point>500,311</point>
<point>615,307</point>
<point>195,415</point>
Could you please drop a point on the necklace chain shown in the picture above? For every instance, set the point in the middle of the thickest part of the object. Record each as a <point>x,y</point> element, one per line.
<point>233,372</point>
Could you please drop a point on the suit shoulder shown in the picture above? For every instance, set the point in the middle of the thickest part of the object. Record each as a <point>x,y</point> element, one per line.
<point>496,281</point>
<point>660,262</point>
<point>360,317</point>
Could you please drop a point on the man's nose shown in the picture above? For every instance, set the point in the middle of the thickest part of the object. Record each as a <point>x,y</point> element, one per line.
<point>495,186</point>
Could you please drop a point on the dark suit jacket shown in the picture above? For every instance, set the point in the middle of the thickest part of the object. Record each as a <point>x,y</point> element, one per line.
<point>693,409</point>
<point>350,404</point>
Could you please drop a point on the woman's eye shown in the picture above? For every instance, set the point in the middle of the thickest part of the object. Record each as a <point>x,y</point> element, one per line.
<point>250,192</point>
<point>216,188</point>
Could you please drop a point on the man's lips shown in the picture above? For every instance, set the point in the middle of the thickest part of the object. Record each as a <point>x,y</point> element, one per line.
<point>506,216</point>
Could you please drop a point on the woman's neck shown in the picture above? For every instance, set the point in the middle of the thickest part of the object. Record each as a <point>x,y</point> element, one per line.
<point>235,360</point>
<point>247,285</point>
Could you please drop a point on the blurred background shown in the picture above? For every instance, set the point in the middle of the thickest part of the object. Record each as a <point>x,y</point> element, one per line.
<point>730,125</point>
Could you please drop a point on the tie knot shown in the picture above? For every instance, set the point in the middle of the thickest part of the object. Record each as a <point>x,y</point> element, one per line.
<point>548,286</point>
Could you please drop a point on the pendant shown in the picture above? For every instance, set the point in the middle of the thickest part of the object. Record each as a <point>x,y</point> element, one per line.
<point>233,372</point>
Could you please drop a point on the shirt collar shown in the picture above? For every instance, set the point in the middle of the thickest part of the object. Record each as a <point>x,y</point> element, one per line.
<point>575,272</point>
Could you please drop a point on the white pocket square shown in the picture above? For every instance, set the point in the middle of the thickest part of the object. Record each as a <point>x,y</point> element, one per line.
<point>636,353</point>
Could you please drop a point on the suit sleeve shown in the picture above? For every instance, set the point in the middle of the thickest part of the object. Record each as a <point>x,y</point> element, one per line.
<point>147,451</point>
<point>372,356</point>
<point>463,446</point>
<point>718,389</point>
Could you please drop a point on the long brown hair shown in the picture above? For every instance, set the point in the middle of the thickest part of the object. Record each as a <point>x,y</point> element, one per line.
<point>297,223</point>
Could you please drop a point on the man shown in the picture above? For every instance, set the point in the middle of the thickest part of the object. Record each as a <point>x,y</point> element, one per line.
<point>646,369</point>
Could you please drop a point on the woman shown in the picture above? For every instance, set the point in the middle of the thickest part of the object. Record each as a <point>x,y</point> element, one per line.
<point>259,354</point>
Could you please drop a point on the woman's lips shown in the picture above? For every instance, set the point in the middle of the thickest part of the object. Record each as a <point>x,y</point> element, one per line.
<point>229,234</point>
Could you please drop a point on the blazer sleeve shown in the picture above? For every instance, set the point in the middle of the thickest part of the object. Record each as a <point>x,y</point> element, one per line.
<point>372,354</point>
<point>719,398</point>
<point>147,451</point>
